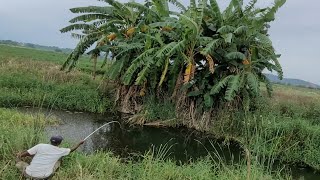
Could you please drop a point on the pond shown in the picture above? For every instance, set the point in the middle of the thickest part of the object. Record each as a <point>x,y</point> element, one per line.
<point>180,144</point>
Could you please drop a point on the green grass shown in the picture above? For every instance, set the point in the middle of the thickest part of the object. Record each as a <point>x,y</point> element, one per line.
<point>288,125</point>
<point>154,110</point>
<point>285,127</point>
<point>296,140</point>
<point>292,120</point>
<point>296,102</point>
<point>27,132</point>
<point>31,77</point>
<point>22,53</point>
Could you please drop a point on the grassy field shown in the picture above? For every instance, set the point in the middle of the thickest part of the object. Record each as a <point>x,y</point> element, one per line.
<point>296,102</point>
<point>28,131</point>
<point>30,77</point>
<point>285,127</point>
<point>22,53</point>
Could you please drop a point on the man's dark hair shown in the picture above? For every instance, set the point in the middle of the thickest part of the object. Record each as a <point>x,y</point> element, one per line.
<point>56,140</point>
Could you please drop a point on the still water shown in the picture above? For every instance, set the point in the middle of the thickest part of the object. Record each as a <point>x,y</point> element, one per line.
<point>126,141</point>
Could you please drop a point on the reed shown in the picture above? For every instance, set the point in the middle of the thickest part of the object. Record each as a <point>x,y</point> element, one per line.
<point>21,131</point>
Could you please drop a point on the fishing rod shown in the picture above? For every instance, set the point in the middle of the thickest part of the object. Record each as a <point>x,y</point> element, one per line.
<point>100,128</point>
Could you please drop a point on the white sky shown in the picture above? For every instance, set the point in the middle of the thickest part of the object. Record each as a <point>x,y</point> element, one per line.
<point>295,33</point>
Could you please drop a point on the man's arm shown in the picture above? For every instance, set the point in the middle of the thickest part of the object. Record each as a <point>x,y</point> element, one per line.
<point>76,146</point>
<point>23,154</point>
<point>30,152</point>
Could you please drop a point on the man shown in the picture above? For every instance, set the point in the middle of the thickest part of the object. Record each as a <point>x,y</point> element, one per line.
<point>45,158</point>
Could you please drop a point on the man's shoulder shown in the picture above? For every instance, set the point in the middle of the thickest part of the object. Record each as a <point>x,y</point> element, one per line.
<point>43,145</point>
<point>39,145</point>
<point>36,149</point>
<point>51,147</point>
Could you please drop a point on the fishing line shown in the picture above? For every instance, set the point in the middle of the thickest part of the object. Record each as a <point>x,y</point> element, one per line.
<point>100,128</point>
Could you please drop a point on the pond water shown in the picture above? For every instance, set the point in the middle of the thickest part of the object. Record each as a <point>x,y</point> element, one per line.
<point>130,141</point>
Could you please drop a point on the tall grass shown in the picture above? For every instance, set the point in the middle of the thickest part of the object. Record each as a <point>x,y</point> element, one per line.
<point>23,53</point>
<point>155,113</point>
<point>25,82</point>
<point>285,127</point>
<point>20,131</point>
<point>158,110</point>
<point>292,140</point>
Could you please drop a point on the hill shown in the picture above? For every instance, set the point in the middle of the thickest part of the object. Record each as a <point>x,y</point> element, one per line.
<point>293,82</point>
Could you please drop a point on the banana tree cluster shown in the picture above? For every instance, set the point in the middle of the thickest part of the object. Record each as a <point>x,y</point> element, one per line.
<point>200,52</point>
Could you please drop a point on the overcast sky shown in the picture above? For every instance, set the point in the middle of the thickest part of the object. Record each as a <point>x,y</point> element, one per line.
<point>295,33</point>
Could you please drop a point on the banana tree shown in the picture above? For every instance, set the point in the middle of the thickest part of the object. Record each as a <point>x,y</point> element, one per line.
<point>240,51</point>
<point>210,56</point>
<point>100,26</point>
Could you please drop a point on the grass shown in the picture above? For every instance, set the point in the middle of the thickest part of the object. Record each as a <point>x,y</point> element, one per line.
<point>296,140</point>
<point>296,102</point>
<point>23,53</point>
<point>28,131</point>
<point>288,125</point>
<point>285,127</point>
<point>154,110</point>
<point>18,132</point>
<point>31,77</point>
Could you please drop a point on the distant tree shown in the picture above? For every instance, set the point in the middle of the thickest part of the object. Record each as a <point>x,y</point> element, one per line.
<point>9,42</point>
<point>30,45</point>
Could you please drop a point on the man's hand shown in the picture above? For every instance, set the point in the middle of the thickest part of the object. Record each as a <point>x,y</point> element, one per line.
<point>81,142</point>
<point>76,147</point>
<point>22,154</point>
<point>18,157</point>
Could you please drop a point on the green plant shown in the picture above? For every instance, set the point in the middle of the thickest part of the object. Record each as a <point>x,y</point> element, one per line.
<point>47,86</point>
<point>102,165</point>
<point>213,56</point>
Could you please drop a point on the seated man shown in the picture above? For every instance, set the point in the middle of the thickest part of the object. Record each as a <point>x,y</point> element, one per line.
<point>45,158</point>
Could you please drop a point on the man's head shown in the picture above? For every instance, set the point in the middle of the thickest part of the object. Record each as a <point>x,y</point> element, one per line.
<point>56,140</point>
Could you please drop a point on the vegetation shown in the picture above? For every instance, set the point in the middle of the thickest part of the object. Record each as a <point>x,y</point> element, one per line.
<point>28,132</point>
<point>286,125</point>
<point>22,54</point>
<point>33,78</point>
<point>204,63</point>
<point>199,58</point>
<point>36,46</point>
<point>287,131</point>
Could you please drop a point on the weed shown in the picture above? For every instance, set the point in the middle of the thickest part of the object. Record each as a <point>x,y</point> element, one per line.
<point>27,132</point>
